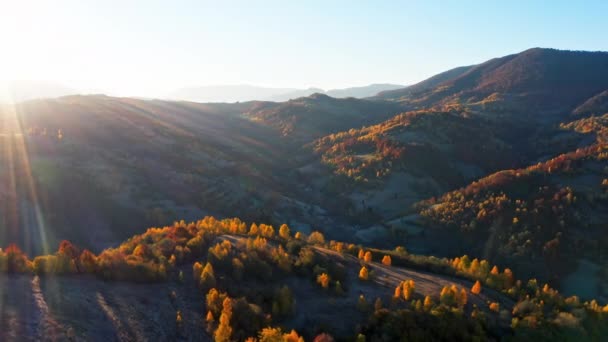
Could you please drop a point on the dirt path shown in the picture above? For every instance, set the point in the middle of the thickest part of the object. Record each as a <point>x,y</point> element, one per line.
<point>427,283</point>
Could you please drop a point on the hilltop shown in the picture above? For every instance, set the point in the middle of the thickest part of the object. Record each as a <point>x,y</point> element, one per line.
<point>222,280</point>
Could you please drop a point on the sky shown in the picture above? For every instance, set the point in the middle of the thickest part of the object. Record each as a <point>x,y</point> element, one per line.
<point>150,48</point>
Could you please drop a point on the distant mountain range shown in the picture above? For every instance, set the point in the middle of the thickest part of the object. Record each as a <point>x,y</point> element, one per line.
<point>241,93</point>
<point>18,91</point>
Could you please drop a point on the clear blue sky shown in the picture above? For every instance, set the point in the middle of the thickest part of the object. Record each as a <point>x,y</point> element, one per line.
<point>151,47</point>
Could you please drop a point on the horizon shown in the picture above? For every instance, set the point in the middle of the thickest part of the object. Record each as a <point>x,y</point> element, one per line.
<point>151,49</point>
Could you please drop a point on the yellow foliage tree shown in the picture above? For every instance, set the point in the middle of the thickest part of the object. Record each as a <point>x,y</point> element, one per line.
<point>316,238</point>
<point>367,257</point>
<point>428,303</point>
<point>254,230</point>
<point>361,254</point>
<point>284,232</point>
<point>386,260</point>
<point>476,289</point>
<point>364,273</point>
<point>323,280</point>
<point>224,330</point>
<point>409,286</point>
<point>398,292</point>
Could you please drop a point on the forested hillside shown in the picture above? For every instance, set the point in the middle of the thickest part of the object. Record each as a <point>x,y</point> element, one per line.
<point>225,280</point>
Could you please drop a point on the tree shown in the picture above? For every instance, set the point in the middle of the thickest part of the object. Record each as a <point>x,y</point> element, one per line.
<point>494,306</point>
<point>474,268</point>
<point>367,257</point>
<point>87,262</point>
<point>386,260</point>
<point>68,249</point>
<point>476,289</point>
<point>208,276</point>
<point>398,292</point>
<point>339,290</point>
<point>361,254</point>
<point>364,273</point>
<point>271,335</point>
<point>428,303</point>
<point>323,280</point>
<point>224,330</point>
<point>284,232</point>
<point>254,230</point>
<point>197,270</point>
<point>463,297</point>
<point>292,337</point>
<point>508,278</point>
<point>316,238</point>
<point>409,286</point>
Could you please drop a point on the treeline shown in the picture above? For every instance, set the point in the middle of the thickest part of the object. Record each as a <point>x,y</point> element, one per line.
<point>228,258</point>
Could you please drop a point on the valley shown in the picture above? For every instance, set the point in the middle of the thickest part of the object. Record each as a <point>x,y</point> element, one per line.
<point>492,175</point>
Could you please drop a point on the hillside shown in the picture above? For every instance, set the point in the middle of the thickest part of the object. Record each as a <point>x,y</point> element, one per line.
<point>161,161</point>
<point>424,85</point>
<point>307,118</point>
<point>220,279</point>
<point>541,81</point>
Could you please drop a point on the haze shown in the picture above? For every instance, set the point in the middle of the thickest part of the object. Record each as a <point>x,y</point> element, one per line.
<point>152,48</point>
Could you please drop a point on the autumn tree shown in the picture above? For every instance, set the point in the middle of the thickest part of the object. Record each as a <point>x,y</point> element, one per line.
<point>207,276</point>
<point>254,230</point>
<point>476,289</point>
<point>224,330</point>
<point>316,238</point>
<point>271,335</point>
<point>386,260</point>
<point>398,292</point>
<point>292,337</point>
<point>87,262</point>
<point>197,270</point>
<point>323,280</point>
<point>364,273</point>
<point>367,257</point>
<point>284,232</point>
<point>409,286</point>
<point>428,303</point>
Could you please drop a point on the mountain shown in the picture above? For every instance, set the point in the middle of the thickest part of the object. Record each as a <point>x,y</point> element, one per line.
<point>307,118</point>
<point>243,93</point>
<point>465,207</point>
<point>17,91</point>
<point>544,81</point>
<point>362,92</point>
<point>427,84</point>
<point>446,139</point>
<point>228,93</point>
